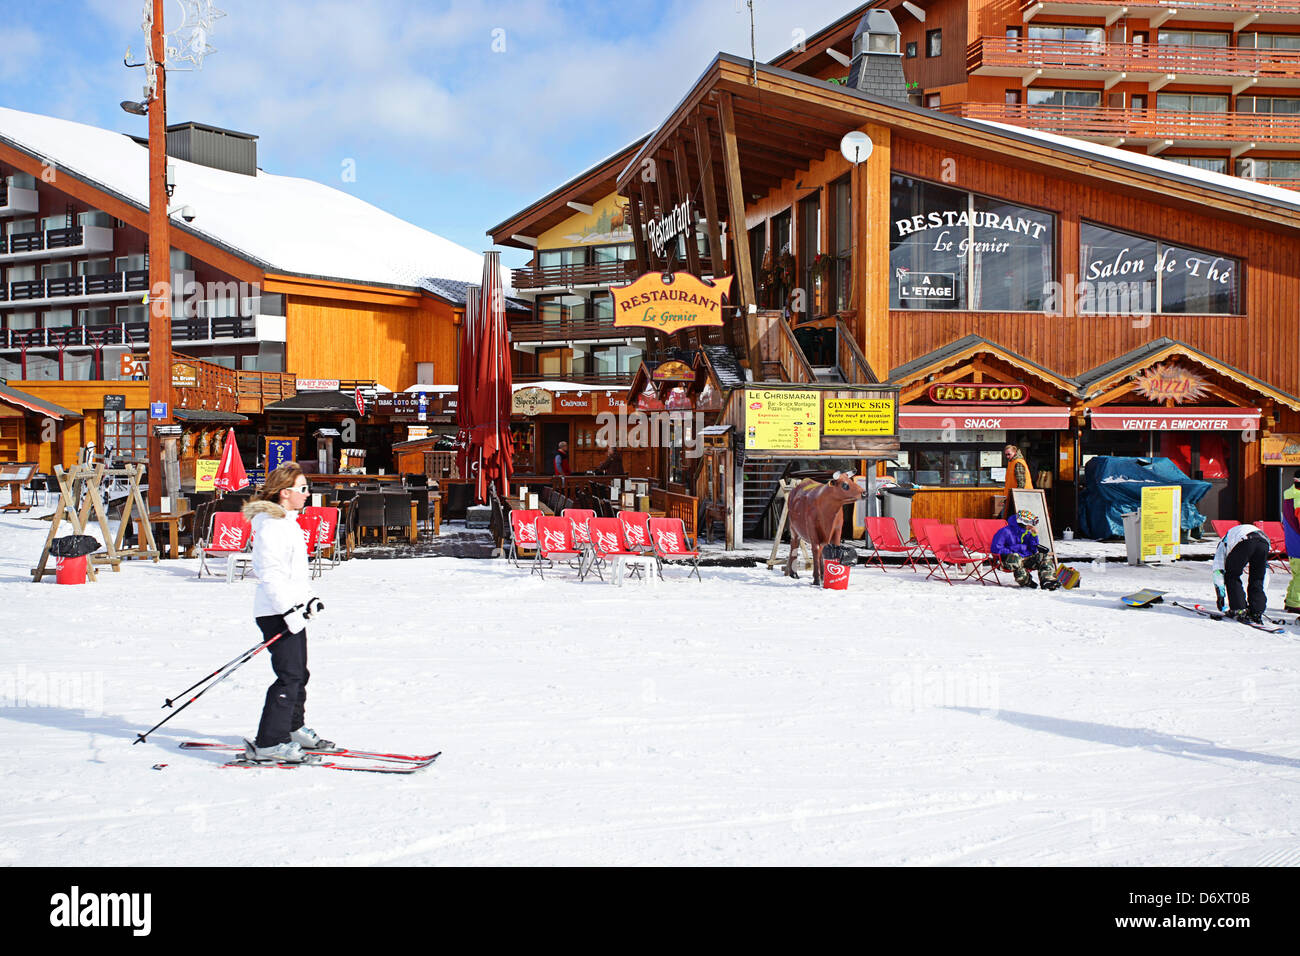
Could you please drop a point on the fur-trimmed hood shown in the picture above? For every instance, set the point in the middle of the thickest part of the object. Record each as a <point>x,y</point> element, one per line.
<point>268,508</point>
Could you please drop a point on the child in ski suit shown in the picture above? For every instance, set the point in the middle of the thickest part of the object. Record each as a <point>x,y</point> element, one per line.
<point>1018,548</point>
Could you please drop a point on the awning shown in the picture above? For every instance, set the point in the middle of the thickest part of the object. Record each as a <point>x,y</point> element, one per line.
<point>201,416</point>
<point>12,396</point>
<point>1144,418</point>
<point>983,417</point>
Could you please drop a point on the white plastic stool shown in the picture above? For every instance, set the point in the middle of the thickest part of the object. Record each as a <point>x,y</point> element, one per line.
<point>647,564</point>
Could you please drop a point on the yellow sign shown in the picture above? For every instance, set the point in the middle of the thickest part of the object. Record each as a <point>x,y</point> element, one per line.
<point>782,420</point>
<point>1279,450</point>
<point>1168,381</point>
<point>858,416</point>
<point>1162,507</point>
<point>184,375</point>
<point>533,401</point>
<point>205,474</point>
<point>681,303</point>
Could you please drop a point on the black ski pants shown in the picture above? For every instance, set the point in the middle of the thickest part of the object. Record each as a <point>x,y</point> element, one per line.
<point>286,699</point>
<point>1250,552</point>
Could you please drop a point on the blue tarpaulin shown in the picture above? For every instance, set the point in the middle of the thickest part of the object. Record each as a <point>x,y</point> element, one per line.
<point>1112,487</point>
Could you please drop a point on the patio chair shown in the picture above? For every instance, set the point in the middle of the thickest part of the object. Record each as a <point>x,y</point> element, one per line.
<point>230,536</point>
<point>555,540</point>
<point>327,537</point>
<point>370,514</point>
<point>1276,544</point>
<point>670,543</point>
<point>523,534</point>
<point>607,544</point>
<point>986,529</point>
<point>941,540</point>
<point>920,549</point>
<point>580,518</point>
<point>979,545</point>
<point>635,530</point>
<point>397,511</point>
<point>1222,526</point>
<point>883,534</point>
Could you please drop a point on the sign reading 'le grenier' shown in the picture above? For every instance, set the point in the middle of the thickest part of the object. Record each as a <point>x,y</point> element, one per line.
<point>669,303</point>
<point>966,393</point>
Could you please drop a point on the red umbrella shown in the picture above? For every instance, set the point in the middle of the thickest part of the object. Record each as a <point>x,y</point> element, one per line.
<point>492,398</point>
<point>466,374</point>
<point>230,473</point>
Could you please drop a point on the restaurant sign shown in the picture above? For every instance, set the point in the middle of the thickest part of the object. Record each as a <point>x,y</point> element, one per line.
<point>184,375</point>
<point>317,384</point>
<point>673,372</point>
<point>993,393</point>
<point>1280,450</point>
<point>1169,382</point>
<point>782,419</point>
<point>533,401</point>
<point>669,303</point>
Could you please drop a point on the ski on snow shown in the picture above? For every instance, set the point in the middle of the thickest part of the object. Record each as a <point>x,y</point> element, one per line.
<point>1270,625</point>
<point>359,761</point>
<point>343,752</point>
<point>376,767</point>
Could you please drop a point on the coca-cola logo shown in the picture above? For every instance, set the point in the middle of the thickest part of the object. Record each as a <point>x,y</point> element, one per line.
<point>555,540</point>
<point>668,541</point>
<point>607,541</point>
<point>230,537</point>
<point>527,534</point>
<point>635,533</point>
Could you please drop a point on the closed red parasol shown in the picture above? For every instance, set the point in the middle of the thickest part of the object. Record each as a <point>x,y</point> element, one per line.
<point>491,396</point>
<point>230,473</point>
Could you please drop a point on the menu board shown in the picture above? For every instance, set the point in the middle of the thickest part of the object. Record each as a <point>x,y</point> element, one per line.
<point>1160,521</point>
<point>205,473</point>
<point>859,416</point>
<point>782,420</point>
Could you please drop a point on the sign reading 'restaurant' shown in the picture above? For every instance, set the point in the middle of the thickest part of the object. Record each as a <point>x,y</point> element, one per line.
<point>668,304</point>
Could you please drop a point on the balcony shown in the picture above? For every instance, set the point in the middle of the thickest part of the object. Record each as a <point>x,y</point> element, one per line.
<point>582,331</point>
<point>1238,13</point>
<point>77,289</point>
<point>568,277</point>
<point>1153,64</point>
<point>595,379</point>
<point>17,202</point>
<point>207,331</point>
<point>1154,129</point>
<point>56,243</point>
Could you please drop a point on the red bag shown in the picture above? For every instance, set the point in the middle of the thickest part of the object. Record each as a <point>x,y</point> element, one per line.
<point>835,576</point>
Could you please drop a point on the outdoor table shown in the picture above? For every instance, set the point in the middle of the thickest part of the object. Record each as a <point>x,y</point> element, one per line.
<point>172,520</point>
<point>517,505</point>
<point>16,502</point>
<point>647,564</point>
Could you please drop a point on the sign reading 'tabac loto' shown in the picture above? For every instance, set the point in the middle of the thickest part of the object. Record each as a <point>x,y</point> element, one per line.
<point>669,303</point>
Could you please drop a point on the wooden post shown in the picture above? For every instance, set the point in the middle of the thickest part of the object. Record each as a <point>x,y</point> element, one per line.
<point>871,278</point>
<point>692,336</point>
<point>722,265</point>
<point>638,228</point>
<point>736,216</point>
<point>160,280</point>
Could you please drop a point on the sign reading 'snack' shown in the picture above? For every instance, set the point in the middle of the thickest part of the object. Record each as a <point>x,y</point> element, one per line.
<point>669,303</point>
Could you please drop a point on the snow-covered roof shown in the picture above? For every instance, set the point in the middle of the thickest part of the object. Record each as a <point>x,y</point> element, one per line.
<point>280,223</point>
<point>1273,194</point>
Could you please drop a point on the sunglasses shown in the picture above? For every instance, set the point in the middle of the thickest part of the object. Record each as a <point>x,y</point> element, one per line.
<point>301,489</point>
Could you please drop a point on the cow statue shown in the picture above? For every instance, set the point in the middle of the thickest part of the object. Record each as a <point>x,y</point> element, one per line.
<point>816,513</point>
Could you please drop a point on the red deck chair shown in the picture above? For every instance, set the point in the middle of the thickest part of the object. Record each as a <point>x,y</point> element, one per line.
<point>920,549</point>
<point>230,536</point>
<point>1222,526</point>
<point>1276,543</point>
<point>635,530</point>
<point>523,534</point>
<point>555,540</point>
<point>941,540</point>
<point>986,528</point>
<point>607,544</point>
<point>326,536</point>
<point>977,546</point>
<point>579,517</point>
<point>668,537</point>
<point>885,539</point>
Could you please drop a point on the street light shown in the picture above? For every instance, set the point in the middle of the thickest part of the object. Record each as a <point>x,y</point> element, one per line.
<point>136,109</point>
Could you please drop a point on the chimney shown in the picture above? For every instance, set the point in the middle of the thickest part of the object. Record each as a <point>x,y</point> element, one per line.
<point>877,65</point>
<point>213,146</point>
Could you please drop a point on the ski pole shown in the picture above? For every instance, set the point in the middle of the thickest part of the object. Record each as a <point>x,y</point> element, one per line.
<point>249,655</point>
<point>171,700</point>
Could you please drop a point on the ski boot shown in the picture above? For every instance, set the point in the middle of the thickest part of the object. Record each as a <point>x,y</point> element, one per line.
<point>308,739</point>
<point>289,752</point>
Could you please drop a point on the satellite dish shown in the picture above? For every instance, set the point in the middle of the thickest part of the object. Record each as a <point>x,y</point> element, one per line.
<point>855,146</point>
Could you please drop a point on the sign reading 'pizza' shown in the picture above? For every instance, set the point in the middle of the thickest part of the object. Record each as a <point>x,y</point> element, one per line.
<point>669,303</point>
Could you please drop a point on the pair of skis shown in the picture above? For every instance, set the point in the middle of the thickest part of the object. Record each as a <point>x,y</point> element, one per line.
<point>340,758</point>
<point>1149,596</point>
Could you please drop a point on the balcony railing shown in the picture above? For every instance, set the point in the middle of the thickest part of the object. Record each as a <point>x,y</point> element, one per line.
<point>1273,11</point>
<point>74,239</point>
<point>565,331</point>
<point>561,277</point>
<point>600,379</point>
<point>17,202</point>
<point>77,287</point>
<point>1014,56</point>
<point>1106,123</point>
<point>135,334</point>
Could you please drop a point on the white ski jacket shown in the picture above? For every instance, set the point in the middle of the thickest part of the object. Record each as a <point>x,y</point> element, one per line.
<point>279,559</point>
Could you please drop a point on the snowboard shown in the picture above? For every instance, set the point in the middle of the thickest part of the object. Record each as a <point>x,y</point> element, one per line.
<point>1144,598</point>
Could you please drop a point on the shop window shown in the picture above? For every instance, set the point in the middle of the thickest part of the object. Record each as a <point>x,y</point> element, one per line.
<point>1132,275</point>
<point>933,42</point>
<point>910,50</point>
<point>954,250</point>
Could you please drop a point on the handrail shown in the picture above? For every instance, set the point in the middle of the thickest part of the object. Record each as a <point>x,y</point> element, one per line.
<point>1240,6</point>
<point>1109,57</point>
<point>794,364</point>
<point>856,370</point>
<point>1103,121</point>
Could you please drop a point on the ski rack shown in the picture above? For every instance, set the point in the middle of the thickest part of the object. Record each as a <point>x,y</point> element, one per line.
<point>75,504</point>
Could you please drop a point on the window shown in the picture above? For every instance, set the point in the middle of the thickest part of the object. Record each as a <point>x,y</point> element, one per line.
<point>1128,274</point>
<point>1191,38</point>
<point>954,250</point>
<point>1193,102</point>
<point>1270,41</point>
<point>21,227</point>
<point>54,222</point>
<point>132,314</point>
<point>135,263</point>
<point>94,267</point>
<point>1250,168</point>
<point>57,318</point>
<point>95,218</point>
<point>20,320</point>
<point>1268,104</point>
<point>933,42</point>
<point>932,101</point>
<point>95,316</point>
<point>56,270</point>
<point>1069,34</point>
<point>810,235</point>
<point>1215,164</point>
<point>1037,97</point>
<point>550,258</point>
<point>126,433</point>
<point>602,307</point>
<point>557,309</point>
<point>619,253</point>
<point>614,359</point>
<point>841,233</point>
<point>910,50</point>
<point>1012,97</point>
<point>882,42</point>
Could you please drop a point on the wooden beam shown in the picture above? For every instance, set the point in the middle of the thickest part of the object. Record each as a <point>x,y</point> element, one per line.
<point>684,191</point>
<point>638,234</point>
<point>721,265</point>
<point>736,216</point>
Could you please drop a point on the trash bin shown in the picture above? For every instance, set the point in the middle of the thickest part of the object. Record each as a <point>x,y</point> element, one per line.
<point>896,503</point>
<point>1133,536</point>
<point>836,561</point>
<point>70,552</point>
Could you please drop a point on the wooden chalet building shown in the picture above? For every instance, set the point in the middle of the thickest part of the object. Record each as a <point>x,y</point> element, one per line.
<point>1008,285</point>
<point>277,281</point>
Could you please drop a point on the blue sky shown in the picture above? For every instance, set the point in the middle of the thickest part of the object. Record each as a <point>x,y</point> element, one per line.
<point>454,114</point>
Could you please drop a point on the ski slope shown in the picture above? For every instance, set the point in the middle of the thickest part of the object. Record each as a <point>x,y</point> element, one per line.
<point>748,719</point>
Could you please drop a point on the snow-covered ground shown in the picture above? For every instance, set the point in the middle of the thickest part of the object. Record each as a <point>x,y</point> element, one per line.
<point>744,719</point>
